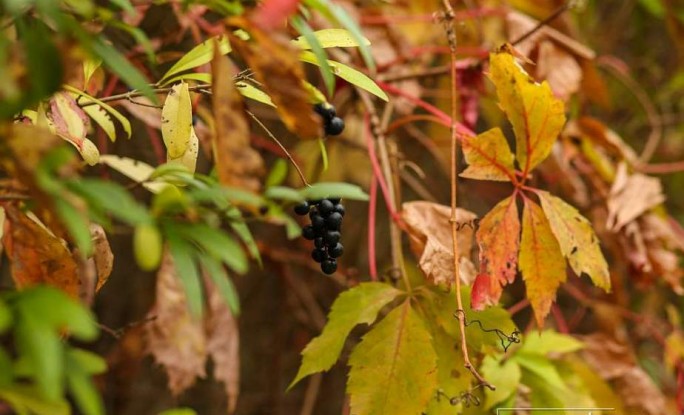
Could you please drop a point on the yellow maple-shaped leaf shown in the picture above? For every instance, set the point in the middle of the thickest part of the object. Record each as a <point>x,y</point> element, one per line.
<point>577,239</point>
<point>177,120</point>
<point>540,261</point>
<point>488,157</point>
<point>536,115</point>
<point>498,237</point>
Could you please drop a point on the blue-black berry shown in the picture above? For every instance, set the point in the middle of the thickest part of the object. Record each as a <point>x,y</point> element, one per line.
<point>336,251</point>
<point>308,232</point>
<point>329,266</point>
<point>333,221</point>
<point>302,208</point>
<point>331,238</point>
<point>319,255</point>
<point>339,208</point>
<point>335,126</point>
<point>318,222</point>
<point>325,207</point>
<point>318,242</point>
<point>326,111</point>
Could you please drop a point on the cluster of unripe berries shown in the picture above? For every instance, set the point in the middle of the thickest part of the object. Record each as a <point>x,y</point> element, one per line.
<point>326,220</point>
<point>332,124</point>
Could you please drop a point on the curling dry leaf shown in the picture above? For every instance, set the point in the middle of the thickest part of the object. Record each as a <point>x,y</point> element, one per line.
<point>631,196</point>
<point>174,338</point>
<point>540,261</point>
<point>71,123</point>
<point>176,121</point>
<point>276,66</point>
<point>577,239</point>
<point>102,255</point>
<point>223,343</point>
<point>36,255</point>
<point>536,115</point>
<point>488,157</point>
<point>394,368</point>
<point>430,236</point>
<point>237,164</point>
<point>498,238</point>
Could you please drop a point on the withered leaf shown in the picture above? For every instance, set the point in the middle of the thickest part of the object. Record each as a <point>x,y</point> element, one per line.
<point>631,196</point>
<point>237,163</point>
<point>276,66</point>
<point>102,255</point>
<point>37,256</point>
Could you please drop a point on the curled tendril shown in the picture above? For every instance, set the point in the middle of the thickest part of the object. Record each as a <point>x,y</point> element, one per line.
<point>467,398</point>
<point>506,339</point>
<point>473,224</point>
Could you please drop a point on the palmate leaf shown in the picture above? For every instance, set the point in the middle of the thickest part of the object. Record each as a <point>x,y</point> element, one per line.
<point>504,374</point>
<point>394,368</point>
<point>359,305</point>
<point>536,115</point>
<point>488,157</point>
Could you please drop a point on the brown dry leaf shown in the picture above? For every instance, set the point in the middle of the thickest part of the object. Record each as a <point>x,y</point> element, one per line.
<point>102,255</point>
<point>237,163</point>
<point>223,343</point>
<point>631,196</point>
<point>145,110</point>
<point>558,55</point>
<point>429,231</point>
<point>615,362</point>
<point>36,255</point>
<point>173,337</point>
<point>276,65</point>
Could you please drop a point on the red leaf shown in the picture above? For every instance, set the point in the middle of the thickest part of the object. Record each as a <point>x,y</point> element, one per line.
<point>485,292</point>
<point>274,13</point>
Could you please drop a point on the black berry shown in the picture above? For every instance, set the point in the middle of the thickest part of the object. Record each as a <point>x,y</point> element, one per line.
<point>335,126</point>
<point>319,255</point>
<point>308,232</point>
<point>318,242</point>
<point>326,207</point>
<point>336,251</point>
<point>334,221</point>
<point>329,266</point>
<point>302,208</point>
<point>339,208</point>
<point>325,110</point>
<point>331,238</point>
<point>318,222</point>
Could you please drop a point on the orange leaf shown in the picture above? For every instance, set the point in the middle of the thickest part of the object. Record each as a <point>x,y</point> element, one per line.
<point>536,115</point>
<point>488,157</point>
<point>237,164</point>
<point>276,65</point>
<point>499,240</point>
<point>577,239</point>
<point>540,261</point>
<point>37,256</point>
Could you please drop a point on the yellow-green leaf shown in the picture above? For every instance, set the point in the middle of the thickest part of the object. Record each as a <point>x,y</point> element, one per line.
<point>349,74</point>
<point>135,170</point>
<point>549,341</point>
<point>541,261</point>
<point>359,305</point>
<point>488,157</point>
<point>252,92</point>
<point>100,116</point>
<point>84,98</point>
<point>189,158</point>
<point>577,239</point>
<point>394,368</point>
<point>331,38</point>
<point>89,152</point>
<point>505,375</point>
<point>199,55</point>
<point>177,120</point>
<point>536,115</point>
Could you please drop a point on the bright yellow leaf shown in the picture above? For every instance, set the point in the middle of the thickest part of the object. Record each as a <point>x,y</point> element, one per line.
<point>177,120</point>
<point>488,157</point>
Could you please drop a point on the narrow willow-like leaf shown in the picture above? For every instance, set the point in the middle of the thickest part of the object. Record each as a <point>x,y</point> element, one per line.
<point>177,120</point>
<point>312,41</point>
<point>199,55</point>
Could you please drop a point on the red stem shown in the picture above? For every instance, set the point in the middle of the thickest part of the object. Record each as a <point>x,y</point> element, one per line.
<point>372,207</point>
<point>376,167</point>
<point>157,146</point>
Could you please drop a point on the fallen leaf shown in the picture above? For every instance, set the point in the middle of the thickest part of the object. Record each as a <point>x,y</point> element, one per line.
<point>488,157</point>
<point>36,255</point>
<point>577,239</point>
<point>536,115</point>
<point>223,343</point>
<point>498,238</point>
<point>276,66</point>
<point>146,113</point>
<point>237,163</point>
<point>631,196</point>
<point>102,255</point>
<point>176,120</point>
<point>175,339</point>
<point>429,231</point>
<point>540,261</point>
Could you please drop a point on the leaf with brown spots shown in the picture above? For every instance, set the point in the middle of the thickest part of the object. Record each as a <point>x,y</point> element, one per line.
<point>237,164</point>
<point>36,255</point>
<point>276,66</point>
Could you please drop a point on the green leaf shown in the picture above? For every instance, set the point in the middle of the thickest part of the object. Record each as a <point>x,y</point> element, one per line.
<point>77,225</point>
<point>5,317</point>
<point>394,368</point>
<point>349,74</point>
<point>547,393</point>
<point>549,341</point>
<point>331,38</point>
<point>199,55</point>
<point>58,311</point>
<point>222,282</point>
<point>80,365</point>
<point>216,243</point>
<point>26,400</point>
<point>41,346</point>
<point>135,170</point>
<point>124,5</point>
<point>283,193</point>
<point>452,376</point>
<point>183,260</point>
<point>6,370</point>
<point>113,198</point>
<point>334,189</point>
<point>321,58</point>
<point>178,411</point>
<point>358,305</point>
<point>254,93</point>
<point>278,173</point>
<point>202,77</point>
<point>542,367</point>
<point>505,375</point>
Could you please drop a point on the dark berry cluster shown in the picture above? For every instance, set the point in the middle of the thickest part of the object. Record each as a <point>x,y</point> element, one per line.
<point>326,220</point>
<point>332,124</point>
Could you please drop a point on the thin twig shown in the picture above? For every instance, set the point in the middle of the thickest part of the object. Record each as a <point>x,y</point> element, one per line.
<point>282,147</point>
<point>553,16</point>
<point>128,96</point>
<point>451,37</point>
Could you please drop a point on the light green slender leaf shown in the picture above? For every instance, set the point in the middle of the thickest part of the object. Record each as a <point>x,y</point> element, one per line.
<point>349,74</point>
<point>199,55</point>
<point>202,77</point>
<point>80,365</point>
<point>312,43</point>
<point>394,368</point>
<point>222,282</point>
<point>359,305</point>
<point>182,253</point>
<point>26,400</point>
<point>334,189</point>
<point>83,98</point>
<point>254,93</point>
<point>331,38</point>
<point>218,244</point>
<point>77,225</point>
